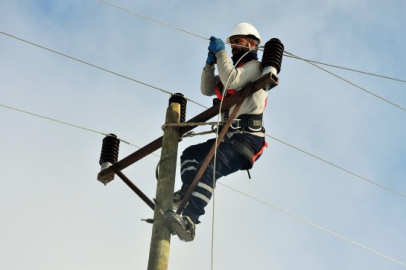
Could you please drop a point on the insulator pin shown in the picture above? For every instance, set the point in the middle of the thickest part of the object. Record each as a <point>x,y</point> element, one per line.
<point>179,98</point>
<point>273,53</point>
<point>109,152</point>
<point>272,58</point>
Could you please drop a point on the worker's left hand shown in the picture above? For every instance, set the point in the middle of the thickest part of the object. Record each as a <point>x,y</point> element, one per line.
<point>216,45</point>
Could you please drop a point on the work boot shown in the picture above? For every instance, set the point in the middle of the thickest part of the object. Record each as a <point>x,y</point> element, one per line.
<point>178,198</point>
<point>182,226</point>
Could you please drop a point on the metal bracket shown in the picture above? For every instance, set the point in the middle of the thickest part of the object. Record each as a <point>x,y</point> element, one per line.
<point>105,176</point>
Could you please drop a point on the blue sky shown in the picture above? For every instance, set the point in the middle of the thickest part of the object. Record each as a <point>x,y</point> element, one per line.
<point>56,215</point>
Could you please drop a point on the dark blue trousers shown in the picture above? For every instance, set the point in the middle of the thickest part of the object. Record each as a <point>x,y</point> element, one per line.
<point>228,161</point>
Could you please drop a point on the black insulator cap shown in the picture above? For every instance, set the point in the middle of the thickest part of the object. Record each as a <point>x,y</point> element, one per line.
<point>273,53</point>
<point>110,147</point>
<point>179,98</point>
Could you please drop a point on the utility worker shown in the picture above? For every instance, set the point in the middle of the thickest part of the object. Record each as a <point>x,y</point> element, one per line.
<point>244,141</point>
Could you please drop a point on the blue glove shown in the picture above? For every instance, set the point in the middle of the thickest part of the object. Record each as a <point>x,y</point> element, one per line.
<point>216,45</point>
<point>211,58</point>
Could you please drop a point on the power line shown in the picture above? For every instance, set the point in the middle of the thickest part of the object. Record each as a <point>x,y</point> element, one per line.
<point>286,53</point>
<point>170,93</point>
<point>344,68</point>
<point>353,84</point>
<point>339,167</point>
<point>269,205</point>
<point>167,92</point>
<point>276,139</point>
<point>317,226</point>
<point>276,208</point>
<point>63,123</point>
<point>151,19</point>
<point>261,47</point>
<point>92,65</point>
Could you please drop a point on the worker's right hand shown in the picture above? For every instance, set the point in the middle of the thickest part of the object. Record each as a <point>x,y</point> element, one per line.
<point>216,45</point>
<point>211,58</point>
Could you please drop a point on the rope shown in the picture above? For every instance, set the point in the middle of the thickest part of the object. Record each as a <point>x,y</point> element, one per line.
<point>353,84</point>
<point>319,227</point>
<point>212,235</point>
<point>215,158</point>
<point>338,167</point>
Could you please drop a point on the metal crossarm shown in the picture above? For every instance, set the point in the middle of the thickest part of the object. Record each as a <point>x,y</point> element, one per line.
<point>105,175</point>
<point>137,191</point>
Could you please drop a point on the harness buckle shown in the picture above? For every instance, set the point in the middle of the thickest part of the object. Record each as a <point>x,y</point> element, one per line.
<point>255,125</point>
<point>238,126</point>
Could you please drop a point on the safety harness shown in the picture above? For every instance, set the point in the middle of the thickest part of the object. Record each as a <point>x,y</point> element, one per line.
<point>245,123</point>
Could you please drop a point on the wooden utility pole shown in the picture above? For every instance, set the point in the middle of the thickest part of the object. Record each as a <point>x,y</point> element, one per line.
<point>161,234</point>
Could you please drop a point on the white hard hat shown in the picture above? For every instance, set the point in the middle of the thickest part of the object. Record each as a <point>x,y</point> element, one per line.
<point>244,29</point>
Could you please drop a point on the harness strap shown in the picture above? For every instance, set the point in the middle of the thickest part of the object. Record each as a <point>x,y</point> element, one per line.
<point>218,89</point>
<point>248,152</point>
<point>245,149</point>
<point>254,158</point>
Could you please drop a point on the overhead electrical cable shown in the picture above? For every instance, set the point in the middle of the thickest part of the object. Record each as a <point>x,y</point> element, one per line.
<point>233,189</point>
<point>347,81</point>
<point>291,55</point>
<point>345,68</point>
<point>286,53</point>
<point>151,19</point>
<point>92,65</point>
<point>167,92</point>
<point>53,119</point>
<point>261,47</point>
<point>317,226</point>
<point>274,138</point>
<point>170,93</point>
<point>63,122</point>
<point>339,167</point>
